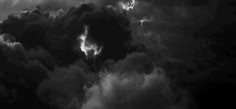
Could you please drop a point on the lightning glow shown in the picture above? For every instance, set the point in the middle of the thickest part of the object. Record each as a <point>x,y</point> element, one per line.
<point>143,20</point>
<point>128,6</point>
<point>86,46</point>
<point>7,42</point>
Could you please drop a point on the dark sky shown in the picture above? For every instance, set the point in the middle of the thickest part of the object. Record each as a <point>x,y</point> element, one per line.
<point>181,57</point>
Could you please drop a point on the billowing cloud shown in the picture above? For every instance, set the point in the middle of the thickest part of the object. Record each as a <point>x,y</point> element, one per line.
<point>157,55</point>
<point>65,86</point>
<point>20,75</point>
<point>4,39</point>
<point>58,34</point>
<point>132,91</point>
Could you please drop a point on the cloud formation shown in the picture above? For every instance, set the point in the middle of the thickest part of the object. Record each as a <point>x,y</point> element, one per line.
<point>132,91</point>
<point>163,63</point>
<point>58,34</point>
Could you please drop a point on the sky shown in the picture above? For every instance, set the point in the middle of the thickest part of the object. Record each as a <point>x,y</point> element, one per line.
<point>117,54</point>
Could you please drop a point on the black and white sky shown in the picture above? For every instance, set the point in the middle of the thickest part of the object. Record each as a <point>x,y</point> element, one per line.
<point>117,54</point>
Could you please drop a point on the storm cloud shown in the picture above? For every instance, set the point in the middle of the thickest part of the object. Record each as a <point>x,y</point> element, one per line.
<point>161,54</point>
<point>133,91</point>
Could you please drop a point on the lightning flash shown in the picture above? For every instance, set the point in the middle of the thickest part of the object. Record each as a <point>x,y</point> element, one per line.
<point>127,6</point>
<point>87,47</point>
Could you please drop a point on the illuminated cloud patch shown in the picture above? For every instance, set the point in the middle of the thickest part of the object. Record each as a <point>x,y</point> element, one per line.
<point>127,5</point>
<point>86,46</point>
<point>144,20</point>
<point>5,40</point>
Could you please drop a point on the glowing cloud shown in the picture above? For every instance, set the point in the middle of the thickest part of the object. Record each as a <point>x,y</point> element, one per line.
<point>5,41</point>
<point>127,6</point>
<point>143,20</point>
<point>86,46</point>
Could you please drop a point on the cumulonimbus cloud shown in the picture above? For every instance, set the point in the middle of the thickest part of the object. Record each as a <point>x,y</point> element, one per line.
<point>132,91</point>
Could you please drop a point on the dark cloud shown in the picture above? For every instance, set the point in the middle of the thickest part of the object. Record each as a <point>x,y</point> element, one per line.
<point>37,44</point>
<point>136,62</point>
<point>20,76</point>
<point>58,36</point>
<point>167,62</point>
<point>65,87</point>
